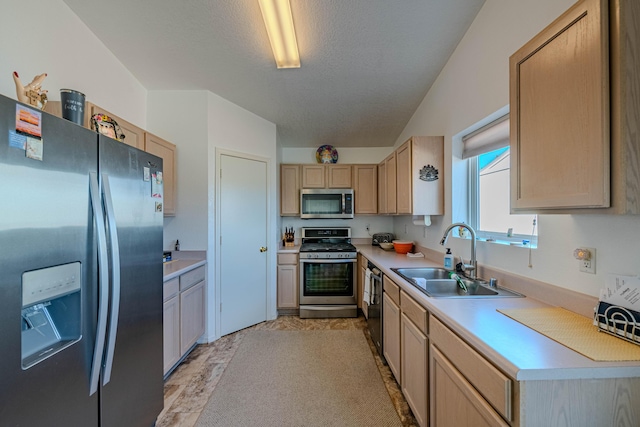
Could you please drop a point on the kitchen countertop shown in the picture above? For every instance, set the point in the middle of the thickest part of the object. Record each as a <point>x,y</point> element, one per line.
<point>518,350</point>
<point>180,266</point>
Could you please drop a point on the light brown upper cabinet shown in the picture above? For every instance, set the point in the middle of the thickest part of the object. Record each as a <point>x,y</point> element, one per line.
<point>390,183</point>
<point>167,151</point>
<point>289,190</point>
<point>382,188</point>
<point>574,94</point>
<point>365,185</point>
<point>133,135</point>
<point>419,183</point>
<point>326,176</point>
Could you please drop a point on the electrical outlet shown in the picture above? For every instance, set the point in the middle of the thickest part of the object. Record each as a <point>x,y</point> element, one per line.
<point>589,265</point>
<point>367,227</point>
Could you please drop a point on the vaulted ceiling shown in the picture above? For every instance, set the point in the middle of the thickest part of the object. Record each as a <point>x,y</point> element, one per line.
<point>366,64</point>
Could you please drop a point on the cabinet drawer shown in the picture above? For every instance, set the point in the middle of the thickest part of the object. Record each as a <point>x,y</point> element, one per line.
<point>492,384</point>
<point>192,277</point>
<point>391,289</point>
<point>414,311</point>
<point>287,259</point>
<point>170,289</point>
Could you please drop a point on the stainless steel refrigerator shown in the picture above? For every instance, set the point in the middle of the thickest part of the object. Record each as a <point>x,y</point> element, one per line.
<point>80,275</point>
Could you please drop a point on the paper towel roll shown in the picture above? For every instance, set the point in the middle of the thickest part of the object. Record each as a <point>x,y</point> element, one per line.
<point>424,220</point>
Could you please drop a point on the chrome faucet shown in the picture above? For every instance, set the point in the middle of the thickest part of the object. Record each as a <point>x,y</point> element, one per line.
<point>473,264</point>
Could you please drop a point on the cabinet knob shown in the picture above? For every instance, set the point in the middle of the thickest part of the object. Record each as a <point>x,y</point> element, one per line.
<point>263,249</point>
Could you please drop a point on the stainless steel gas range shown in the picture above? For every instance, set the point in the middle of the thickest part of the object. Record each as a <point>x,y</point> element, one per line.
<point>328,284</point>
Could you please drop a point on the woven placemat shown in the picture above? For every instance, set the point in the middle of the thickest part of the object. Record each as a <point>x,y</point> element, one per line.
<point>575,332</point>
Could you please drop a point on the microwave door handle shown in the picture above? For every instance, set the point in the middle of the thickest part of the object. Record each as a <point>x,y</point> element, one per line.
<point>344,203</point>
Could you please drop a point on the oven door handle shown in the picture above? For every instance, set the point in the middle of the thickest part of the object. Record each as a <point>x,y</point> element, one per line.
<point>327,261</point>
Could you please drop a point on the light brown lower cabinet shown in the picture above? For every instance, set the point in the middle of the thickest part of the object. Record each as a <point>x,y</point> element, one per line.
<point>184,315</point>
<point>288,281</point>
<point>414,353</point>
<point>454,401</point>
<point>192,318</point>
<point>391,328</point>
<point>171,323</point>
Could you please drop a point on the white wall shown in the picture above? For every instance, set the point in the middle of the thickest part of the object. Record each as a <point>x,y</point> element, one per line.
<point>199,122</point>
<point>236,129</point>
<point>473,85</point>
<point>181,118</point>
<point>38,36</point>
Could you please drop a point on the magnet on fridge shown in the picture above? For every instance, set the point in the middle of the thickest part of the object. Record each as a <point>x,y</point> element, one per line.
<point>17,140</point>
<point>158,206</point>
<point>34,148</point>
<point>146,174</point>
<point>156,185</point>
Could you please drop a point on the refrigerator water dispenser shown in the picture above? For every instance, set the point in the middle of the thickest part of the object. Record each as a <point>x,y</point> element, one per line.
<point>51,311</point>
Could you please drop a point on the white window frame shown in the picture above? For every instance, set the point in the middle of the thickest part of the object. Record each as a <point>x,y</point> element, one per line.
<point>490,136</point>
<point>474,214</point>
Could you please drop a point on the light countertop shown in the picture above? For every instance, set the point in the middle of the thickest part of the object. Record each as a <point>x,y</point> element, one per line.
<point>180,266</point>
<point>518,350</point>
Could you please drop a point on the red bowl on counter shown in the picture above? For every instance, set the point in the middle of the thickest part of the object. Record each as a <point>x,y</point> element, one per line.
<point>402,247</point>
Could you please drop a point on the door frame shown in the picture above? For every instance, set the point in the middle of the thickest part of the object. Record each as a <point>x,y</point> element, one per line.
<point>271,241</point>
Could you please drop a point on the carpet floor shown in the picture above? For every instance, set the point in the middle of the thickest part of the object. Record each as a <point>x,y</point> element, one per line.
<point>301,378</point>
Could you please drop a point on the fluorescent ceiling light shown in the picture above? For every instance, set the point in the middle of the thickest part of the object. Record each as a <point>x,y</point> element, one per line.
<point>279,22</point>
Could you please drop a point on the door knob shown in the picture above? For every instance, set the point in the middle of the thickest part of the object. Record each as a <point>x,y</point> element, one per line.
<point>263,249</point>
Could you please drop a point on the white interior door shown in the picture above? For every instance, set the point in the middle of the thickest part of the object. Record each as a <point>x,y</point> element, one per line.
<point>243,232</point>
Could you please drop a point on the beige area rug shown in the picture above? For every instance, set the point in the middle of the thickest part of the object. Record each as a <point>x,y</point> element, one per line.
<point>576,332</point>
<point>301,378</point>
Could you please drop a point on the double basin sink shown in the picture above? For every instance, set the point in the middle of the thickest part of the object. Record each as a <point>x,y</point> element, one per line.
<point>435,282</point>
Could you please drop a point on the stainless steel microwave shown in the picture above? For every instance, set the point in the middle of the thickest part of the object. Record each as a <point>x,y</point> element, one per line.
<point>325,204</point>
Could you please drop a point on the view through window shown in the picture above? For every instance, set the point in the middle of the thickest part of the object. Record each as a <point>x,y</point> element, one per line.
<point>490,216</point>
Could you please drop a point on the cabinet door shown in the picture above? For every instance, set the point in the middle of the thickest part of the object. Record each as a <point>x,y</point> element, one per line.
<point>559,97</point>
<point>171,332</point>
<point>289,190</point>
<point>167,151</point>
<point>365,184</point>
<point>455,402</point>
<point>133,135</point>
<point>382,188</point>
<point>192,316</point>
<point>427,175</point>
<point>339,176</point>
<point>404,179</point>
<point>288,286</point>
<point>414,351</point>
<point>313,176</point>
<point>390,172</point>
<point>391,334</point>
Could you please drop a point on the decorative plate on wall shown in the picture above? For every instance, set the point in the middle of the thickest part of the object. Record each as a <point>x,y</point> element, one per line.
<point>327,154</point>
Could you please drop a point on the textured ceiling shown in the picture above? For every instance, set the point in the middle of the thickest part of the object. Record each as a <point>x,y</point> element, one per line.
<point>366,64</point>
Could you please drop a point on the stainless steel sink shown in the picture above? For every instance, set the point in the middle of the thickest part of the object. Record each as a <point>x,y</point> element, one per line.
<point>435,282</point>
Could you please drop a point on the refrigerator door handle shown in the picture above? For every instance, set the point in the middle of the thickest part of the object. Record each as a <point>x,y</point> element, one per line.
<point>103,280</point>
<point>115,278</point>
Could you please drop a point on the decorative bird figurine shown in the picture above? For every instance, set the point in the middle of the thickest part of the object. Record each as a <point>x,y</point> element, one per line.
<point>32,93</point>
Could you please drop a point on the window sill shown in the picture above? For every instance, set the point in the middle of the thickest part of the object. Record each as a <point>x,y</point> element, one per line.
<point>513,243</point>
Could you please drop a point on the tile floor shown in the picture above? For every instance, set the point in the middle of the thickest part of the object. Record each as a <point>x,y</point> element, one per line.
<point>187,390</point>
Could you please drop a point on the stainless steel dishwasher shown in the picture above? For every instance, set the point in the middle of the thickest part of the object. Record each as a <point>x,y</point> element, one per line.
<point>374,307</point>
